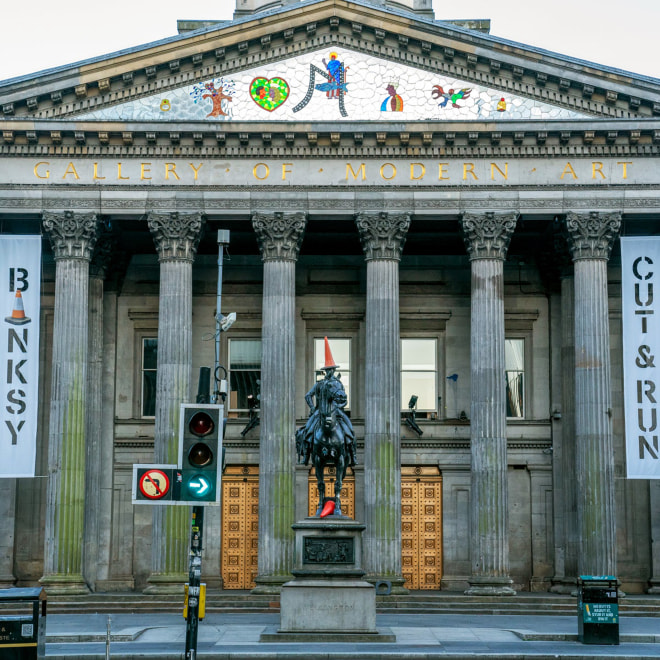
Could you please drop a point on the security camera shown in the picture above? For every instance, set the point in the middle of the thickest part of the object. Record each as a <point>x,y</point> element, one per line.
<point>227,321</point>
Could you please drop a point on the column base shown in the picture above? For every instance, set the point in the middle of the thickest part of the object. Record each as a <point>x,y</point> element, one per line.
<point>397,583</point>
<point>7,581</point>
<point>270,584</point>
<point>565,585</point>
<point>64,585</point>
<point>170,583</point>
<point>490,586</point>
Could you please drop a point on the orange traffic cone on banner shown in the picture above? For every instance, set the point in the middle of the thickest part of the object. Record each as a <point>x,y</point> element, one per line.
<point>328,508</point>
<point>18,314</point>
<point>329,360</point>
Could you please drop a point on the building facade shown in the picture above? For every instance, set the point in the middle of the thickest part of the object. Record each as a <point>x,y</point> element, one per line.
<point>443,205</point>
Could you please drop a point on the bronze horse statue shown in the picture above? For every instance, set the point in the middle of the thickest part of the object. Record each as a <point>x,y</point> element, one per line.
<point>327,437</point>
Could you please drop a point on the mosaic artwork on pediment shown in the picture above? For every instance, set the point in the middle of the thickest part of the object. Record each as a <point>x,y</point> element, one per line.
<point>332,85</point>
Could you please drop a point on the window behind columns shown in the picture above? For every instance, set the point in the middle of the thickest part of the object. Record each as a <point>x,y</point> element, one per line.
<point>341,352</point>
<point>148,376</point>
<point>419,373</point>
<point>514,360</point>
<point>244,374</point>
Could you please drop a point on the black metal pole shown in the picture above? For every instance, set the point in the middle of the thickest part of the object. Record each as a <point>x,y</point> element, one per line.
<point>194,581</point>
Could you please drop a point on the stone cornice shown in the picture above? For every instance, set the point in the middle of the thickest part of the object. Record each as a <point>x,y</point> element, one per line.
<point>332,24</point>
<point>431,139</point>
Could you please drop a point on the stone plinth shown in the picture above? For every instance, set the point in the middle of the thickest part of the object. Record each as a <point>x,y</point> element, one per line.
<point>328,596</point>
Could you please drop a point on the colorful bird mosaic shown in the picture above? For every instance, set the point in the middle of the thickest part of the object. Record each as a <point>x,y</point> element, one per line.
<point>450,96</point>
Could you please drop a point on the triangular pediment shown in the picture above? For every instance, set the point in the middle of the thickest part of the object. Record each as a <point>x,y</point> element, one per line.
<point>377,46</point>
<point>332,85</point>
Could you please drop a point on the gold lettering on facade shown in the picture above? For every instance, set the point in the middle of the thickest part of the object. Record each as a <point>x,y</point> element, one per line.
<point>96,176</point>
<point>70,169</point>
<point>46,174</point>
<point>568,170</point>
<point>625,164</point>
<point>468,168</point>
<point>361,170</point>
<point>421,174</point>
<point>597,168</point>
<point>196,169</point>
<point>255,171</point>
<point>119,176</point>
<point>286,170</point>
<point>145,168</point>
<point>392,171</point>
<point>170,168</point>
<point>442,170</point>
<point>504,175</point>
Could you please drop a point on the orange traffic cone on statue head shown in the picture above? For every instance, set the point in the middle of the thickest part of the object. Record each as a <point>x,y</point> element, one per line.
<point>329,360</point>
<point>18,314</point>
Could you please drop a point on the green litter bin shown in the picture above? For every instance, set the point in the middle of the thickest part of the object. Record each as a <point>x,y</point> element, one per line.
<point>598,609</point>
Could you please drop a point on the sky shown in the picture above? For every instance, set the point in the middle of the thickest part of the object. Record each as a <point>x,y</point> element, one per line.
<point>40,34</point>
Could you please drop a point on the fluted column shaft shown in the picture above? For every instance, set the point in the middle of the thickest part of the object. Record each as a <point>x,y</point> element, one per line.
<point>383,236</point>
<point>176,237</point>
<point>487,239</point>
<point>73,237</point>
<point>280,236</point>
<point>590,240</point>
<point>94,454</point>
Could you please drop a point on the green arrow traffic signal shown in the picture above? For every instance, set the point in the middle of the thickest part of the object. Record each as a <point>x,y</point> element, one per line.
<point>200,452</point>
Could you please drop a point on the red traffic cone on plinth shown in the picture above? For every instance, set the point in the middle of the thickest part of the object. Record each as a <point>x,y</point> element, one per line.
<point>18,314</point>
<point>329,360</point>
<point>328,509</point>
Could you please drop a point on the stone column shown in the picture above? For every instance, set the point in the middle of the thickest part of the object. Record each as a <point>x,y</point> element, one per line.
<point>72,236</point>
<point>97,467</point>
<point>383,236</point>
<point>590,237</point>
<point>654,506</point>
<point>176,236</point>
<point>7,535</point>
<point>280,236</point>
<point>487,239</point>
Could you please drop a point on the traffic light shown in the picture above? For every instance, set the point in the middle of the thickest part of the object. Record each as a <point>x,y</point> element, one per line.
<point>200,452</point>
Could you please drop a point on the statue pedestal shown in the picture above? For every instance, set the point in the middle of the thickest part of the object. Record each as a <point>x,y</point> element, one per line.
<point>328,600</point>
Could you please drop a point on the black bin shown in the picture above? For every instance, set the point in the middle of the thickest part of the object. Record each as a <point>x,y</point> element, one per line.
<point>598,609</point>
<point>22,624</point>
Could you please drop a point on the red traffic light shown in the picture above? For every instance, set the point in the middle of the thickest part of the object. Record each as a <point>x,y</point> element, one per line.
<point>201,424</point>
<point>200,455</point>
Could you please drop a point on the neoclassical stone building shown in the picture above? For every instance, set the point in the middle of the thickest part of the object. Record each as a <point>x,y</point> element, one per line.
<point>443,204</point>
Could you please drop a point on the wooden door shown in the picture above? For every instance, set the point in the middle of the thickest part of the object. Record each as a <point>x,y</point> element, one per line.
<point>421,527</point>
<point>240,526</point>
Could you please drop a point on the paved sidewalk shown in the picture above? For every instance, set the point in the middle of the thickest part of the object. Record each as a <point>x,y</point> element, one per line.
<point>419,636</point>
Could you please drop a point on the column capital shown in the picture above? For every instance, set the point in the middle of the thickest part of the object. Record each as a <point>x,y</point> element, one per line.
<point>279,234</point>
<point>382,234</point>
<point>487,235</point>
<point>72,235</point>
<point>591,235</point>
<point>176,235</point>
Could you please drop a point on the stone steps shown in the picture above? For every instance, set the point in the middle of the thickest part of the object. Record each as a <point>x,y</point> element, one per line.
<point>413,603</point>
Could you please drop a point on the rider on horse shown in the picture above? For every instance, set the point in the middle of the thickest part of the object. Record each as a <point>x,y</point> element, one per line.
<point>329,396</point>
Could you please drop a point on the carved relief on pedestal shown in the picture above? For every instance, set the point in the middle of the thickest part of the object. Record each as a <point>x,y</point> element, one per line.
<point>591,235</point>
<point>72,235</point>
<point>487,235</point>
<point>383,234</point>
<point>176,235</point>
<point>279,234</point>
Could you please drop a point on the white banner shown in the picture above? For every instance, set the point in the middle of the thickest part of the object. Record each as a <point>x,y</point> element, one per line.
<point>20,275</point>
<point>640,282</point>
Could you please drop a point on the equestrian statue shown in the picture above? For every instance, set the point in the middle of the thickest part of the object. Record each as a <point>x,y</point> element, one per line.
<point>327,437</point>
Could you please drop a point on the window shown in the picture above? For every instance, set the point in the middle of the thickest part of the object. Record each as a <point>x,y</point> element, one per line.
<point>244,372</point>
<point>148,385</point>
<point>514,361</point>
<point>341,352</point>
<point>419,373</point>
